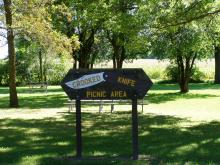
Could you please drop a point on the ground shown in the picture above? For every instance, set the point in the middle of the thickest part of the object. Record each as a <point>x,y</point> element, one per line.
<point>174,128</point>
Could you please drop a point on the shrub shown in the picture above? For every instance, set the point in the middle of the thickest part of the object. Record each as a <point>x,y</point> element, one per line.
<point>171,73</point>
<point>197,75</point>
<point>157,73</point>
<point>4,79</point>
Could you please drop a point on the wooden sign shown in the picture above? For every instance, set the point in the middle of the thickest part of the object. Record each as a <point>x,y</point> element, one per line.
<point>110,84</point>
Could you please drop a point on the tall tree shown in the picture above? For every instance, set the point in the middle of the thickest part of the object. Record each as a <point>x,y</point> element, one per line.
<point>175,28</point>
<point>11,53</point>
<point>30,19</point>
<point>82,19</point>
<point>213,28</point>
<point>217,65</point>
<point>182,46</point>
<point>121,27</point>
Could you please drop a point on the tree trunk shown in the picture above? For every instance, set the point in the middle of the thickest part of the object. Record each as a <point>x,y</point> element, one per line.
<point>86,48</point>
<point>93,57</point>
<point>184,86</point>
<point>74,60</point>
<point>41,67</point>
<point>121,57</point>
<point>217,65</point>
<point>119,53</point>
<point>11,53</point>
<point>183,81</point>
<point>185,66</point>
<point>45,68</point>
<point>183,75</point>
<point>83,59</point>
<point>118,57</point>
<point>114,62</point>
<point>115,55</point>
<point>74,64</point>
<point>119,63</point>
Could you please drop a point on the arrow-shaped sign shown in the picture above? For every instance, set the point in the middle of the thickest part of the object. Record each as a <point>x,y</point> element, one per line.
<point>86,81</point>
<point>106,84</point>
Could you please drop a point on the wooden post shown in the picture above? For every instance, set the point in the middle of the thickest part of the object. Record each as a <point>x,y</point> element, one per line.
<point>134,129</point>
<point>142,105</point>
<point>100,106</point>
<point>112,106</point>
<point>78,130</point>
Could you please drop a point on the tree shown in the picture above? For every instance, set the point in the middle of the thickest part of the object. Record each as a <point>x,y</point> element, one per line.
<point>121,28</point>
<point>182,46</point>
<point>81,19</point>
<point>88,20</point>
<point>217,47</point>
<point>11,53</point>
<point>217,65</point>
<point>178,32</point>
<point>31,19</point>
<point>213,28</point>
<point>49,67</point>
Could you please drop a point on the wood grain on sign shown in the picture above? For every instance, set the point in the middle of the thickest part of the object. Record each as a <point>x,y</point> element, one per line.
<point>106,84</point>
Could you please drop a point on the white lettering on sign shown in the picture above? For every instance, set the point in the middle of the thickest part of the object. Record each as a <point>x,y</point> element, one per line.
<point>86,81</point>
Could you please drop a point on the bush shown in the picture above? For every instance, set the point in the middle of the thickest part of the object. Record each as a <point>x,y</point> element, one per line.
<point>171,73</point>
<point>155,74</point>
<point>198,76</point>
<point>4,79</point>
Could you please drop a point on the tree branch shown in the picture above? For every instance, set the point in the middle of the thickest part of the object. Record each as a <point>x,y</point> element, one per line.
<point>193,61</point>
<point>3,35</point>
<point>204,15</point>
<point>194,18</point>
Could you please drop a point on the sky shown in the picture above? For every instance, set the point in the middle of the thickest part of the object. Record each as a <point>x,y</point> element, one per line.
<point>3,51</point>
<point>3,47</point>
<point>3,42</point>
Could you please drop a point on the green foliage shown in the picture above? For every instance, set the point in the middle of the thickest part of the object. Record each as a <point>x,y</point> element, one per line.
<point>183,41</point>
<point>172,74</point>
<point>4,78</point>
<point>57,69</point>
<point>157,74</point>
<point>33,20</point>
<point>198,75</point>
<point>28,63</point>
<point>82,19</point>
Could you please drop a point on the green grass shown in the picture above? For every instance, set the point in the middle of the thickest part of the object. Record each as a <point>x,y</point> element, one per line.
<point>174,129</point>
<point>35,99</point>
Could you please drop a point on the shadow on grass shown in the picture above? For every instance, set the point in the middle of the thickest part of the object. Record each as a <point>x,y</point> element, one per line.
<point>4,90</point>
<point>49,140</point>
<point>58,100</point>
<point>27,90</point>
<point>38,98</point>
<point>37,102</point>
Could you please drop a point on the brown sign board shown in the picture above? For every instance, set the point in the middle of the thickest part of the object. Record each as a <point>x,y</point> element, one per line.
<point>106,84</point>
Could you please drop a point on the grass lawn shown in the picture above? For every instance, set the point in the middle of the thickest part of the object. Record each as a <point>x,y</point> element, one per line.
<point>174,128</point>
